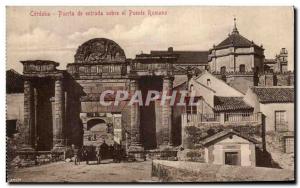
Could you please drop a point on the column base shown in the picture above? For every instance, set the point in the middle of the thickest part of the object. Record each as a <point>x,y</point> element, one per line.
<point>26,148</point>
<point>165,147</point>
<point>136,152</point>
<point>58,146</point>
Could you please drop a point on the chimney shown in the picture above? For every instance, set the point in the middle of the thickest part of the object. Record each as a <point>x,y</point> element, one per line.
<point>170,49</point>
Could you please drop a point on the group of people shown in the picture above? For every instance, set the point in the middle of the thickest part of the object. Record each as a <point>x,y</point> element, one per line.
<point>98,153</point>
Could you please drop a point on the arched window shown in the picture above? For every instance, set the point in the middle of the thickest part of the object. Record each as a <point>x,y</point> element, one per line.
<point>223,70</point>
<point>242,68</point>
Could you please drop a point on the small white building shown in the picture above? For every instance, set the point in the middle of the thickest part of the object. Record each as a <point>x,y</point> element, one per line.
<point>230,148</point>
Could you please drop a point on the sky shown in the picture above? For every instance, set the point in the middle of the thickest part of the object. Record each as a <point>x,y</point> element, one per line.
<point>57,37</point>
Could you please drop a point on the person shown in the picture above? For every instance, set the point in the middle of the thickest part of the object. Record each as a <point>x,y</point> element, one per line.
<point>118,153</point>
<point>104,150</point>
<point>111,152</point>
<point>85,154</point>
<point>98,154</point>
<point>77,156</point>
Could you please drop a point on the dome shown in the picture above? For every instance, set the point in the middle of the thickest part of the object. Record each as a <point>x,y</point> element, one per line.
<point>99,50</point>
<point>236,40</point>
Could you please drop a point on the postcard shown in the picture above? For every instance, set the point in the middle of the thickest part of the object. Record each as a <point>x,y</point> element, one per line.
<point>150,94</point>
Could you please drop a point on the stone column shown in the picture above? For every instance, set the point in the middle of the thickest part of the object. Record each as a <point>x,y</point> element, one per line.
<point>28,115</point>
<point>167,112</point>
<point>135,120</point>
<point>58,136</point>
<point>34,132</point>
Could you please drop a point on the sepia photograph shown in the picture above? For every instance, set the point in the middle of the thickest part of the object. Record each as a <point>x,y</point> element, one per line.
<point>150,94</point>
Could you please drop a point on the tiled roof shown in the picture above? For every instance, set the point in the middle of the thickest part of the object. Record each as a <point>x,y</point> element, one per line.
<point>230,103</point>
<point>227,133</point>
<point>236,40</point>
<point>187,57</point>
<point>274,94</point>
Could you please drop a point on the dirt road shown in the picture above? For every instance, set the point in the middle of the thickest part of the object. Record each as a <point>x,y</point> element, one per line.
<point>68,172</point>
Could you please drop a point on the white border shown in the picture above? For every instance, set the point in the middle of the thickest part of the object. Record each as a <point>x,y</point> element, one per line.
<point>4,3</point>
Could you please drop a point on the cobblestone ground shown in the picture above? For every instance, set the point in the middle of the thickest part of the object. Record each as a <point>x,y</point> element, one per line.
<point>68,172</point>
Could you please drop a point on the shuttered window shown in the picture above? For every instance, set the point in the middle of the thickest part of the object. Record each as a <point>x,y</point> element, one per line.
<point>280,121</point>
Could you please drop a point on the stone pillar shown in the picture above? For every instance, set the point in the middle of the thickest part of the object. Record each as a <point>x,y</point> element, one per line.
<point>167,112</point>
<point>35,125</point>
<point>28,115</point>
<point>135,144</point>
<point>222,118</point>
<point>58,136</point>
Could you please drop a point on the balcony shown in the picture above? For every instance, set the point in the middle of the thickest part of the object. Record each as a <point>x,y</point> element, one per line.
<point>221,119</point>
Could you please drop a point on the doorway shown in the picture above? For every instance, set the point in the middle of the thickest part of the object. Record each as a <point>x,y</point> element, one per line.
<point>232,158</point>
<point>98,132</point>
<point>147,113</point>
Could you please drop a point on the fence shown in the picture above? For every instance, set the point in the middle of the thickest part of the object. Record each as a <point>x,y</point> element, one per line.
<point>203,117</point>
<point>240,117</point>
<point>222,118</point>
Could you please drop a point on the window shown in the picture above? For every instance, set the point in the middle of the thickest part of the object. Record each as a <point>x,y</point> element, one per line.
<point>223,70</point>
<point>242,68</point>
<point>280,121</point>
<point>191,109</point>
<point>208,82</point>
<point>191,88</point>
<point>232,158</point>
<point>289,145</point>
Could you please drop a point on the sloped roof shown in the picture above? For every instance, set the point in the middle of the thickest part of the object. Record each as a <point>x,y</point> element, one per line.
<point>215,77</point>
<point>230,103</point>
<point>187,57</point>
<point>237,40</point>
<point>274,94</point>
<point>226,133</point>
<point>179,80</point>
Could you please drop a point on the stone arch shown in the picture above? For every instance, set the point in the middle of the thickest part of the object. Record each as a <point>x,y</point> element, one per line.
<point>94,122</point>
<point>98,131</point>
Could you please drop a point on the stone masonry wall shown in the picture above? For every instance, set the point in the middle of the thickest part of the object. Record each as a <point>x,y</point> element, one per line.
<point>183,171</point>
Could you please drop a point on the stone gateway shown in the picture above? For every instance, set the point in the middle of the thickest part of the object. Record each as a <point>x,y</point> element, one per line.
<point>62,107</point>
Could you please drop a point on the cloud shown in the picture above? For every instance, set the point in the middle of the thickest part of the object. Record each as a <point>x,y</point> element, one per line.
<point>184,29</point>
<point>38,39</point>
